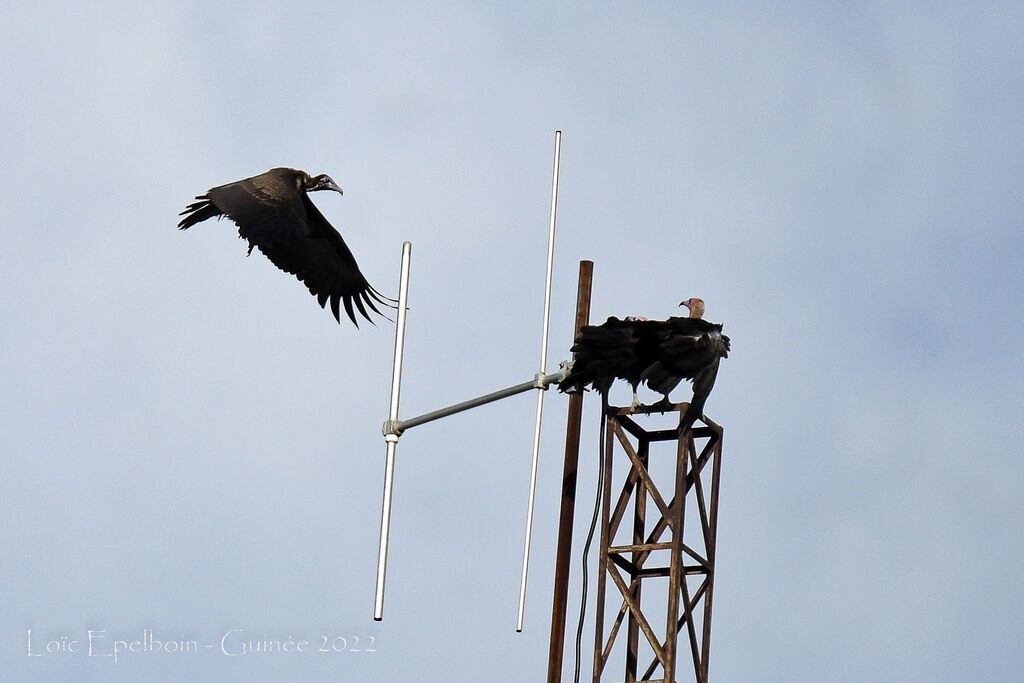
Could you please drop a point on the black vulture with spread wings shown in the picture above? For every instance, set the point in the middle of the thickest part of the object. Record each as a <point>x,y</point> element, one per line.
<point>274,213</point>
<point>660,353</point>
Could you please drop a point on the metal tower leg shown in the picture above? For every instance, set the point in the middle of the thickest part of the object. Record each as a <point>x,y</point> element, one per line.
<point>634,556</point>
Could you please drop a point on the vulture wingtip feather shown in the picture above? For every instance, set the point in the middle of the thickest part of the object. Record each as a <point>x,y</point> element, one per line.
<point>347,301</point>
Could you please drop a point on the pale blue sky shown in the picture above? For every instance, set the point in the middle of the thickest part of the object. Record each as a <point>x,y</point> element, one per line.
<point>191,445</point>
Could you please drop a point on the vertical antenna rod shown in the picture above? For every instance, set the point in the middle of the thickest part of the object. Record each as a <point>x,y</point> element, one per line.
<point>540,377</point>
<point>391,437</point>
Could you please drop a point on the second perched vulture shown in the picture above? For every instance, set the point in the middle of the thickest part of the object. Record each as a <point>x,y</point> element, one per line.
<point>273,213</point>
<point>659,352</point>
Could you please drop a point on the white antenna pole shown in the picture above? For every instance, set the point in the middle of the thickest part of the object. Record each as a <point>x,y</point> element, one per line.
<point>391,437</point>
<point>540,376</point>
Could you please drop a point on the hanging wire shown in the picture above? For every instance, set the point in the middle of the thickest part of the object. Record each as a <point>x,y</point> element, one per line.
<point>590,532</point>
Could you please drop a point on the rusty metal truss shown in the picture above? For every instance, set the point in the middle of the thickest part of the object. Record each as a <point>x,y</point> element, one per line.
<point>662,566</point>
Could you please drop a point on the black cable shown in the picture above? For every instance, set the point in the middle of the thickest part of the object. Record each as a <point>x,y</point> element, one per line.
<point>590,533</point>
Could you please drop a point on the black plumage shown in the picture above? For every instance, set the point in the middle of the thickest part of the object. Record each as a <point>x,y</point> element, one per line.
<point>660,353</point>
<point>274,213</point>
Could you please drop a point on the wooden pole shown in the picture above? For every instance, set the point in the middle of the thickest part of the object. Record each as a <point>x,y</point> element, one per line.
<point>565,517</point>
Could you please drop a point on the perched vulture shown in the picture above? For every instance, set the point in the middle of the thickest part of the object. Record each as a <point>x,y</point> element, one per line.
<point>660,353</point>
<point>273,212</point>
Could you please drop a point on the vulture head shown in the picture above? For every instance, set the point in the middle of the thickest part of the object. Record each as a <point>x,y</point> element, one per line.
<point>695,305</point>
<point>322,182</point>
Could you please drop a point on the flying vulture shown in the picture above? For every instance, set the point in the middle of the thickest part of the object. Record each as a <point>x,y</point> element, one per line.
<point>273,212</point>
<point>660,353</point>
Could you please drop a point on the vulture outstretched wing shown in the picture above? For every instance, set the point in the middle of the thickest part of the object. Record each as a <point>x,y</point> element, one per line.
<point>274,213</point>
<point>688,348</point>
<point>604,353</point>
<point>661,353</point>
<point>685,347</point>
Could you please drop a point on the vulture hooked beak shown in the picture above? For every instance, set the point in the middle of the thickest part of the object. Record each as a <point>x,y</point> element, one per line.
<point>330,185</point>
<point>323,182</point>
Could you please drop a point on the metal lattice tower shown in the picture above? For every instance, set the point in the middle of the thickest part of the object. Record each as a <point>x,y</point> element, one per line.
<point>666,556</point>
